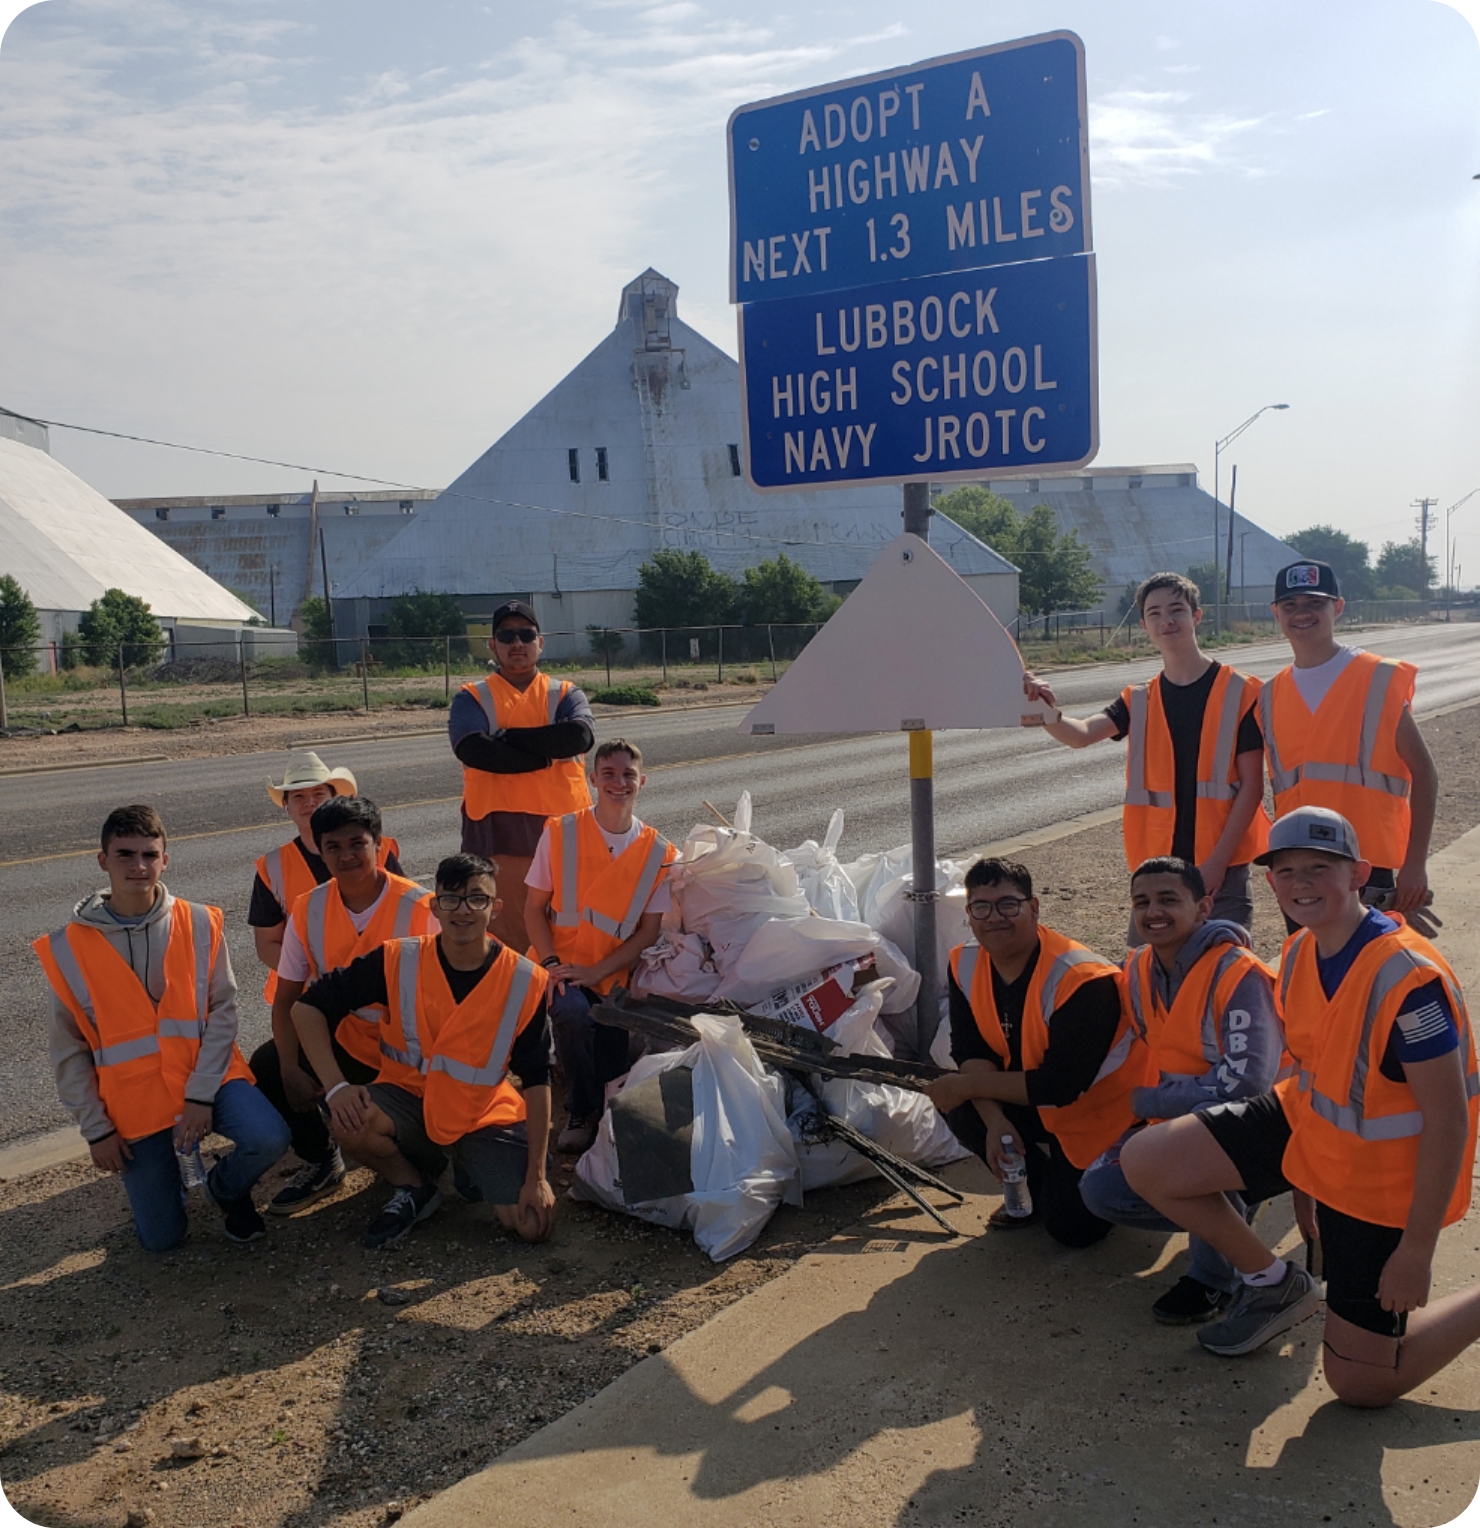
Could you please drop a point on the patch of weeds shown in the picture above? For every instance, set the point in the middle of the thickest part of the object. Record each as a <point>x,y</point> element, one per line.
<point>626,695</point>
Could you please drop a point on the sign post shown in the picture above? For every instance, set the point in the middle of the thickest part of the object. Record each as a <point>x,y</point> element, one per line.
<point>911,256</point>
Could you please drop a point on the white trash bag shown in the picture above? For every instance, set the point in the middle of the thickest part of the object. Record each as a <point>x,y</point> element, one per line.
<point>827,889</point>
<point>783,952</point>
<point>742,1159</point>
<point>679,965</point>
<point>729,882</point>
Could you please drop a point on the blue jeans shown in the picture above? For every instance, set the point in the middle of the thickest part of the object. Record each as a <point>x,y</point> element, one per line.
<point>591,1054</point>
<point>152,1178</point>
<point>1108,1195</point>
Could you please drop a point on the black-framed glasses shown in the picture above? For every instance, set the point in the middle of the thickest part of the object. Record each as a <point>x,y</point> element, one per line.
<point>1004,907</point>
<point>449,902</point>
<point>508,635</point>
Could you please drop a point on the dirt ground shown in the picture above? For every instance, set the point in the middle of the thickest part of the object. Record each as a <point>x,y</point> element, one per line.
<point>305,1382</point>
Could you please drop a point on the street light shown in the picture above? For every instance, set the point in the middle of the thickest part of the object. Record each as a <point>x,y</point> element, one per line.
<point>1448,565</point>
<point>1218,446</point>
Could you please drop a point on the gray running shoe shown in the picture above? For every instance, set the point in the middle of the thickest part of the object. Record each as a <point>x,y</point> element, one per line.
<point>1258,1314</point>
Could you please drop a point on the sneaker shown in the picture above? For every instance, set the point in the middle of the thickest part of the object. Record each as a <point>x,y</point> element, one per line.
<point>312,1181</point>
<point>1000,1220</point>
<point>403,1210</point>
<point>1258,1314</point>
<point>579,1135</point>
<point>242,1223</point>
<point>1190,1302</point>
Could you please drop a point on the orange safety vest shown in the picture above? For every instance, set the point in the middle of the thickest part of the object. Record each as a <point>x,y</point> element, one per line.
<point>1101,1114</point>
<point>1185,1041</point>
<point>144,1052</point>
<point>559,787</point>
<point>1345,756</point>
<point>599,898</point>
<point>329,938</point>
<point>455,1056</point>
<point>1354,1133</point>
<point>1150,772</point>
<point>286,875</point>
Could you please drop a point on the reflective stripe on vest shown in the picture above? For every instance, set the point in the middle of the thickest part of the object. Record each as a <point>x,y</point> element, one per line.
<point>569,913</point>
<point>966,968</point>
<point>1361,773</point>
<point>651,870</point>
<point>406,996</point>
<point>276,880</point>
<point>1136,793</point>
<point>1351,1116</point>
<point>1287,964</point>
<point>1218,788</point>
<point>1057,972</point>
<point>1139,982</point>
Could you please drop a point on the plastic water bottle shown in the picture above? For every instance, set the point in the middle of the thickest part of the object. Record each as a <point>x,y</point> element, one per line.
<point>1016,1199</point>
<point>192,1169</point>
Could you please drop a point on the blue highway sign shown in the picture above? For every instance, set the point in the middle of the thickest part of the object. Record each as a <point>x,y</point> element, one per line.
<point>976,159</point>
<point>970,375</point>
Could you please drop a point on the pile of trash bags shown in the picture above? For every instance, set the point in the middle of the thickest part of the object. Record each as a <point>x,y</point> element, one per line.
<point>717,1153</point>
<point>791,934</point>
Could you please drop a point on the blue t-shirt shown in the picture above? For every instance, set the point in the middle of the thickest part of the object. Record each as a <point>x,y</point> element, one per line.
<point>1425,1026</point>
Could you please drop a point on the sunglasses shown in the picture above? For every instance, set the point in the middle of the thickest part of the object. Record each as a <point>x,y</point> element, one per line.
<point>1004,907</point>
<point>448,902</point>
<point>508,636</point>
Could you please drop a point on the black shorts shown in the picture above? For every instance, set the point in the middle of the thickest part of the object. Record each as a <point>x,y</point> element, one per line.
<point>1253,1134</point>
<point>489,1164</point>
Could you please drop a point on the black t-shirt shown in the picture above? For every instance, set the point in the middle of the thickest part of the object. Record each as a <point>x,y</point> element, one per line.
<point>1079,1039</point>
<point>267,912</point>
<point>362,982</point>
<point>1184,706</point>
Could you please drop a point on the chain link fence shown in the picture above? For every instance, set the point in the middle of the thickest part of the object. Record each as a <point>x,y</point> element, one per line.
<point>51,688</point>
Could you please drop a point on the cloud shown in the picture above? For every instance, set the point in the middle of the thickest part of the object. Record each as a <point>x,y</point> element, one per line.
<point>1156,137</point>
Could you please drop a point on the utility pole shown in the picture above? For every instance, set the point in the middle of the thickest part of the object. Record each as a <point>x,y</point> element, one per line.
<point>1423,506</point>
<point>917,513</point>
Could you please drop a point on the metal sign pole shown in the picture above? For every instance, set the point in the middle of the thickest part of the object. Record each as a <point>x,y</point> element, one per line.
<point>917,513</point>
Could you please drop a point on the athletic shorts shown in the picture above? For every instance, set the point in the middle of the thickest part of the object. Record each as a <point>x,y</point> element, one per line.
<point>1253,1134</point>
<point>489,1165</point>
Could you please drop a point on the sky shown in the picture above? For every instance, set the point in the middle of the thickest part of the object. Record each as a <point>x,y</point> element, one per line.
<point>368,236</point>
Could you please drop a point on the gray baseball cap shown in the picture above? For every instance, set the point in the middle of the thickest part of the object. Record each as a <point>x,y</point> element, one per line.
<point>1312,827</point>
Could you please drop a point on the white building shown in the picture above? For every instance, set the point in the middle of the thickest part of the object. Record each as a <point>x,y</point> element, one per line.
<point>66,546</point>
<point>637,449</point>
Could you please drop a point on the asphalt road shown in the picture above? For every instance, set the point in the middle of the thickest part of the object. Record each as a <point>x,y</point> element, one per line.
<point>989,785</point>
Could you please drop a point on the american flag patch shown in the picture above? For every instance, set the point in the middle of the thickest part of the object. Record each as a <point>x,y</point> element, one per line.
<point>1426,1023</point>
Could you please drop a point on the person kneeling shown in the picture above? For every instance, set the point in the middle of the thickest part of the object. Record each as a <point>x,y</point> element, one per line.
<point>1204,1004</point>
<point>1046,1055</point>
<point>1375,1133</point>
<point>463,1017</point>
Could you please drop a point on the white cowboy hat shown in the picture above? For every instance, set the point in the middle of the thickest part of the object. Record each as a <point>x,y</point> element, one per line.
<point>308,769</point>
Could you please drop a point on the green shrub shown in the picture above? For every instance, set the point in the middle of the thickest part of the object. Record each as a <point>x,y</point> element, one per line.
<point>625,695</point>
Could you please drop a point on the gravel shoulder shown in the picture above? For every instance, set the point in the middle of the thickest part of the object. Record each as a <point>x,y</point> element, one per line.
<point>305,1382</point>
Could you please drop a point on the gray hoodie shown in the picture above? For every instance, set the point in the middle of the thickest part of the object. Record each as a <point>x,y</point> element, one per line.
<point>143,945</point>
<point>1250,1040</point>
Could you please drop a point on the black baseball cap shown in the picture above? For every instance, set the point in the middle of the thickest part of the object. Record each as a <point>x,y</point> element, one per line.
<point>515,608</point>
<point>1306,578</point>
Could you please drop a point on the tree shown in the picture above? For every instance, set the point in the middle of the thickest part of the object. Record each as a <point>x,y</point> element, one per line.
<point>20,628</point>
<point>682,589</point>
<point>1403,571</point>
<point>416,626</point>
<point>987,515</point>
<point>1206,577</point>
<point>316,620</point>
<point>123,622</point>
<point>1055,570</point>
<point>1350,559</point>
<point>783,592</point>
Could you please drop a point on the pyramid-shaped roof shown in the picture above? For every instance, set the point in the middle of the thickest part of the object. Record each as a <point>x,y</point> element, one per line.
<point>663,405</point>
<point>66,546</point>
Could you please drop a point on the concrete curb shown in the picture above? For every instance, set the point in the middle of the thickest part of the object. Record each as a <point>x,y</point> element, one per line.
<point>51,769</point>
<point>40,1152</point>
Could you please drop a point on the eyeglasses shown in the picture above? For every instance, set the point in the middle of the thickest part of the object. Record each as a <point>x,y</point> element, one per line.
<point>509,635</point>
<point>1004,907</point>
<point>446,902</point>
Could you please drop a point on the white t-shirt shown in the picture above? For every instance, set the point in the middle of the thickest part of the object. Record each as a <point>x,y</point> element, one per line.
<point>542,878</point>
<point>293,963</point>
<point>1315,683</point>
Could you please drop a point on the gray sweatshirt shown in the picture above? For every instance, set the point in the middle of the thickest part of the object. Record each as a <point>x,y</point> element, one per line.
<point>143,945</point>
<point>1250,1040</point>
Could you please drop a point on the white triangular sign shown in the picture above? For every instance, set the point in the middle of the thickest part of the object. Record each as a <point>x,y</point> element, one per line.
<point>914,646</point>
